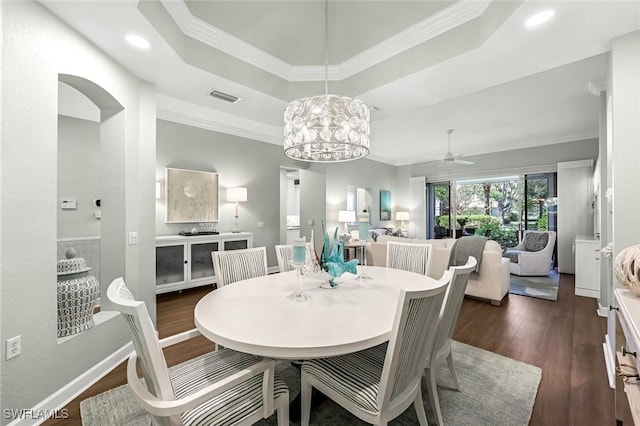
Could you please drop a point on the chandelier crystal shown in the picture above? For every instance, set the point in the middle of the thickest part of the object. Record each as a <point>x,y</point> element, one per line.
<point>326,128</point>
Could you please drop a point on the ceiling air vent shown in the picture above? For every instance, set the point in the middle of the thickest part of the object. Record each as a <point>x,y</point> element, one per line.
<point>224,96</point>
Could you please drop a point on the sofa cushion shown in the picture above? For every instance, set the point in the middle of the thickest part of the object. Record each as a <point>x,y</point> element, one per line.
<point>535,241</point>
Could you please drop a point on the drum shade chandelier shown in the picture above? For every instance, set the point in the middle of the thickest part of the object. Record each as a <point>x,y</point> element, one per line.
<point>326,128</point>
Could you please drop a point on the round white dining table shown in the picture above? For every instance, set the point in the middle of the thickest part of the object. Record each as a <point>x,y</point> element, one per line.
<point>255,316</point>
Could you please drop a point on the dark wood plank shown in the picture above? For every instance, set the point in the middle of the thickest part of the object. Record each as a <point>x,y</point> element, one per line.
<point>563,338</point>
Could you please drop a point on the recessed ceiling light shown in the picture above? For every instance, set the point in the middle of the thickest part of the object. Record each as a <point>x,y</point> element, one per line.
<point>137,41</point>
<point>539,18</point>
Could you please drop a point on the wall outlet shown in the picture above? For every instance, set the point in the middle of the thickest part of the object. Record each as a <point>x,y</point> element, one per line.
<point>260,224</point>
<point>13,347</point>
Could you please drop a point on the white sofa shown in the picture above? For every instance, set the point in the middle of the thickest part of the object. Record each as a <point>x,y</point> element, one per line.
<point>492,281</point>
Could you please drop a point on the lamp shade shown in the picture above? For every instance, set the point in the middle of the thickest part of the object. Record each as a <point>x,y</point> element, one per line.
<point>346,216</point>
<point>237,194</point>
<point>402,216</point>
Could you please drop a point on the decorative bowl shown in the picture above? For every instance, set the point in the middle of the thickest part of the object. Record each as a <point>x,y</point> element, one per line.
<point>627,268</point>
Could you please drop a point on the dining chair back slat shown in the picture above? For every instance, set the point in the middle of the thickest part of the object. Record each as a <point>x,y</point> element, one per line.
<point>412,336</point>
<point>236,265</point>
<point>409,257</point>
<point>149,353</point>
<point>448,318</point>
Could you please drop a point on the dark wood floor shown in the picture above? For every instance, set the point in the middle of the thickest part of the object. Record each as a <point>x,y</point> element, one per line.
<point>563,338</point>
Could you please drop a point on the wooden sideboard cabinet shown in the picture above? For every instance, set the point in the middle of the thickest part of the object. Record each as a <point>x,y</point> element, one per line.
<point>628,357</point>
<point>185,261</point>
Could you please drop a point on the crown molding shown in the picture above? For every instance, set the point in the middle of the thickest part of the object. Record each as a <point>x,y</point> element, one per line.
<point>182,112</point>
<point>439,23</point>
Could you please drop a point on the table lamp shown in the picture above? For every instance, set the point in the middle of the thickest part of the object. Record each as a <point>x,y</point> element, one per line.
<point>346,216</point>
<point>236,195</point>
<point>402,216</point>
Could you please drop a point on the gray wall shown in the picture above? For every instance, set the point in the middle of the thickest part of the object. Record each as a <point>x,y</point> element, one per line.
<point>257,166</point>
<point>625,94</point>
<point>36,49</point>
<point>78,176</point>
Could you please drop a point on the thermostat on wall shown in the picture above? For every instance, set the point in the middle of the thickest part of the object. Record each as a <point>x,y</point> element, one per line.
<point>68,204</point>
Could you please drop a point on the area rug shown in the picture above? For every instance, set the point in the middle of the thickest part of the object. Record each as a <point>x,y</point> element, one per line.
<point>539,287</point>
<point>495,391</point>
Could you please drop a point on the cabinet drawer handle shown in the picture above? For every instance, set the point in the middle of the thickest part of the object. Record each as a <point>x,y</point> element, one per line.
<point>186,261</point>
<point>626,352</point>
<point>613,308</point>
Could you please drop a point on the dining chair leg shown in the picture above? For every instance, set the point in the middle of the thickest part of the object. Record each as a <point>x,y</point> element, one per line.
<point>283,413</point>
<point>305,400</point>
<point>419,405</point>
<point>452,369</point>
<point>433,394</point>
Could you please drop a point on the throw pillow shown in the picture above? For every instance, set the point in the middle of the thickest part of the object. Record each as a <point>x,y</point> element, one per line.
<point>535,241</point>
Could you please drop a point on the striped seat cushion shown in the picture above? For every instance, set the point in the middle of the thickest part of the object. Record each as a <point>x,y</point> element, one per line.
<point>230,406</point>
<point>355,376</point>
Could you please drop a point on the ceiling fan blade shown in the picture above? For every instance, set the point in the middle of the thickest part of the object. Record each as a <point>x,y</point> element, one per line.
<point>465,162</point>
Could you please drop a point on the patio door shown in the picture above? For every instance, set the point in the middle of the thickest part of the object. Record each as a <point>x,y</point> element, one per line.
<point>439,205</point>
<point>540,210</point>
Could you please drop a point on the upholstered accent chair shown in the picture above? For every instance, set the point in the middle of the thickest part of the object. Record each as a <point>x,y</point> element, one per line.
<point>284,254</point>
<point>237,265</point>
<point>222,387</point>
<point>380,383</point>
<point>533,255</point>
<point>446,326</point>
<point>410,257</point>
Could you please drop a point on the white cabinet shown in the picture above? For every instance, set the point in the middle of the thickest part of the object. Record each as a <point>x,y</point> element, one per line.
<point>185,261</point>
<point>587,253</point>
<point>627,392</point>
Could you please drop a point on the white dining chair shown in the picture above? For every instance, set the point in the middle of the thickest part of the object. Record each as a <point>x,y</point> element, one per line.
<point>237,265</point>
<point>410,257</point>
<point>380,383</point>
<point>222,387</point>
<point>448,318</point>
<point>284,255</point>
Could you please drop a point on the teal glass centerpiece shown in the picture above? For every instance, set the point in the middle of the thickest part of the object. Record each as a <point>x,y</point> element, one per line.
<point>332,259</point>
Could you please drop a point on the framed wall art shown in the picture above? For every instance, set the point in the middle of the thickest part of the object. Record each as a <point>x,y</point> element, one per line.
<point>191,196</point>
<point>385,204</point>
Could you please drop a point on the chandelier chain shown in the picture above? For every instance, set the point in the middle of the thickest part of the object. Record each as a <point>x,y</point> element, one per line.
<point>326,47</point>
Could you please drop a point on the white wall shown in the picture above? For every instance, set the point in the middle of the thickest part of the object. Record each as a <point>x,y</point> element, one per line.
<point>36,48</point>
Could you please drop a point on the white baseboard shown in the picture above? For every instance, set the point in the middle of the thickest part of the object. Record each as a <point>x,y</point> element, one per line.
<point>585,292</point>
<point>53,404</point>
<point>603,311</point>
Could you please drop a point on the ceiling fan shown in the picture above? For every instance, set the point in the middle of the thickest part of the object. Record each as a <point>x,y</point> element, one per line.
<point>449,157</point>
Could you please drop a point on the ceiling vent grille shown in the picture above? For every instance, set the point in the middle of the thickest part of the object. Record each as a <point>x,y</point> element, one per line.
<point>224,96</point>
